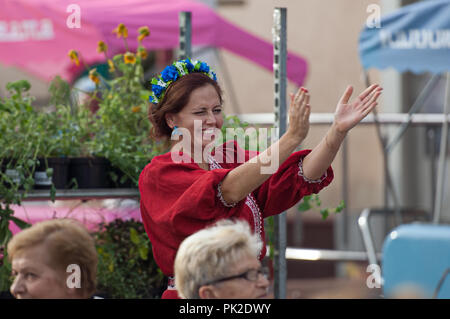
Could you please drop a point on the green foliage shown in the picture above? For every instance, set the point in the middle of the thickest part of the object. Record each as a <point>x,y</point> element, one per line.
<point>19,145</point>
<point>68,127</point>
<point>5,271</point>
<point>121,124</point>
<point>119,131</point>
<point>248,136</point>
<point>126,266</point>
<point>314,202</point>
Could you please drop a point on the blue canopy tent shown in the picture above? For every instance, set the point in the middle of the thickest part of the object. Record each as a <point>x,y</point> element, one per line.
<point>414,38</point>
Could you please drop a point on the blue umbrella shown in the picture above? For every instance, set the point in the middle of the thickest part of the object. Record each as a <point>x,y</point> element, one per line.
<point>414,38</point>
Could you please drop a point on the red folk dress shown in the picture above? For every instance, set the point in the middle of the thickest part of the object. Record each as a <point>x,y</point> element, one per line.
<point>178,199</point>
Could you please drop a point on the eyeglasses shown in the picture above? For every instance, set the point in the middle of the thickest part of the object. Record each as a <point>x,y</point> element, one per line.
<point>250,275</point>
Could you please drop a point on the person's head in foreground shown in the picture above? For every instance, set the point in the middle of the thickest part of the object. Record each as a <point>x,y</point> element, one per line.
<point>53,259</point>
<point>220,262</point>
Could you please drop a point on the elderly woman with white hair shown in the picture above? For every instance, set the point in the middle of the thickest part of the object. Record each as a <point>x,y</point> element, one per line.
<point>221,262</point>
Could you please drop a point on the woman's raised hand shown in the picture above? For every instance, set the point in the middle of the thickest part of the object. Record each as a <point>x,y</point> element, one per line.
<point>299,111</point>
<point>348,114</point>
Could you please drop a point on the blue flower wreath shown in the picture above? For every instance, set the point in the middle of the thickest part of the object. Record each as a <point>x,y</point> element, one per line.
<point>175,71</point>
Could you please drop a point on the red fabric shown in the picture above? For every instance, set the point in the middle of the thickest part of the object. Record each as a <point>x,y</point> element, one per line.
<point>178,199</point>
<point>170,294</point>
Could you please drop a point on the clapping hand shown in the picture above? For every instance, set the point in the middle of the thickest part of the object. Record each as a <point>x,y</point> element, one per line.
<point>348,114</point>
<point>299,112</point>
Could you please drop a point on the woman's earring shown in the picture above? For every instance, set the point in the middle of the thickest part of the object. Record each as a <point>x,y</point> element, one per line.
<point>175,131</point>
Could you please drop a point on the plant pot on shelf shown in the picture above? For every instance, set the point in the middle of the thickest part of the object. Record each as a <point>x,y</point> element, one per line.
<point>8,168</point>
<point>90,172</point>
<point>59,177</point>
<point>119,175</point>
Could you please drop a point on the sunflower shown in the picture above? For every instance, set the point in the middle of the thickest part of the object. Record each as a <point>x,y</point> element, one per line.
<point>121,31</point>
<point>74,57</point>
<point>129,58</point>
<point>142,53</point>
<point>143,33</point>
<point>136,109</point>
<point>111,66</point>
<point>101,47</point>
<point>93,75</point>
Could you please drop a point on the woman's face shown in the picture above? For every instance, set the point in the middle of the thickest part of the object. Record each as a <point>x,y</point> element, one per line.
<point>34,278</point>
<point>242,288</point>
<point>200,118</point>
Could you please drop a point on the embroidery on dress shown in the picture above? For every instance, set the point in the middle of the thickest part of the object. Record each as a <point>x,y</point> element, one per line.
<point>249,201</point>
<point>300,173</point>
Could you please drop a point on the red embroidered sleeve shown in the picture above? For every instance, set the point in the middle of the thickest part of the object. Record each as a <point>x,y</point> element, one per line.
<point>288,185</point>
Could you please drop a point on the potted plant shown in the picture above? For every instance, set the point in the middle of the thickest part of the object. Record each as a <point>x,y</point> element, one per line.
<point>20,139</point>
<point>68,147</point>
<point>121,125</point>
<point>126,267</point>
<point>67,130</point>
<point>18,146</point>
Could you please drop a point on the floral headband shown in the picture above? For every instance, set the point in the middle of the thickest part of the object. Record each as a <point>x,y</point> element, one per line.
<point>175,71</point>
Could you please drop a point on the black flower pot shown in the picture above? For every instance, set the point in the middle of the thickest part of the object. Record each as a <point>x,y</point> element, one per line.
<point>128,183</point>
<point>60,176</point>
<point>90,172</point>
<point>11,172</point>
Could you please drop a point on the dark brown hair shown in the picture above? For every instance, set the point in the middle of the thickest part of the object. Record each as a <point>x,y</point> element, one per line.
<point>175,99</point>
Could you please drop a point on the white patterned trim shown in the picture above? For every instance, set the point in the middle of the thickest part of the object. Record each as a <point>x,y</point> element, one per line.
<point>171,283</point>
<point>249,201</point>
<point>213,163</point>
<point>220,195</point>
<point>300,173</point>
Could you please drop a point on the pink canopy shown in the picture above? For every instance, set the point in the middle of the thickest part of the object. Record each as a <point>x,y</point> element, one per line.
<point>35,35</point>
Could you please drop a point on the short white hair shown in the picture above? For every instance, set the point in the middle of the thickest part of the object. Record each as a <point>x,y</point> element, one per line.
<point>208,254</point>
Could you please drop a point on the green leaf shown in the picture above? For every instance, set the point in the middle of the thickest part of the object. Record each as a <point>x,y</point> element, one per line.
<point>144,94</point>
<point>305,205</point>
<point>340,207</point>
<point>20,223</point>
<point>324,212</point>
<point>134,236</point>
<point>143,252</point>
<point>5,236</point>
<point>317,200</point>
<point>49,172</point>
<point>113,176</point>
<point>53,193</point>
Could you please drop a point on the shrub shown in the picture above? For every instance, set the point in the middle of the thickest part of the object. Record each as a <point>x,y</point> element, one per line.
<point>126,266</point>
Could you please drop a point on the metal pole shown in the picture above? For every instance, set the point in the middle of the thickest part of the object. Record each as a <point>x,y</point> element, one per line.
<point>431,136</point>
<point>442,157</point>
<point>418,104</point>
<point>345,192</point>
<point>381,119</point>
<point>185,50</point>
<point>279,71</point>
<point>387,175</point>
<point>341,222</point>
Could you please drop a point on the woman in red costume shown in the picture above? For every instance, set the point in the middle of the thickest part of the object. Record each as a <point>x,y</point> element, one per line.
<point>189,188</point>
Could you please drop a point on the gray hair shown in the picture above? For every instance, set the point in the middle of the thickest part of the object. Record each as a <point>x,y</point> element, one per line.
<point>208,254</point>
